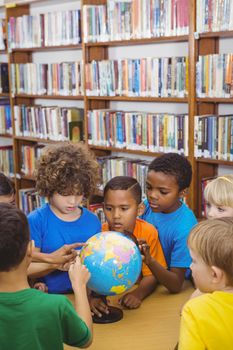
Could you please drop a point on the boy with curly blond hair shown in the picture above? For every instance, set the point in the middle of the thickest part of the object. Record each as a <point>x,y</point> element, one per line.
<point>65,174</point>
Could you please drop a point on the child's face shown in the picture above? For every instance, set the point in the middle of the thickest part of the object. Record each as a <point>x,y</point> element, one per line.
<point>121,210</point>
<point>162,192</point>
<point>9,198</point>
<point>65,205</point>
<point>217,212</point>
<point>201,272</point>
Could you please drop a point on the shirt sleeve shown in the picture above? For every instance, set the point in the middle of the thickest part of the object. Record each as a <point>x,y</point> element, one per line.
<point>75,331</point>
<point>155,251</point>
<point>35,226</point>
<point>180,256</point>
<point>190,338</point>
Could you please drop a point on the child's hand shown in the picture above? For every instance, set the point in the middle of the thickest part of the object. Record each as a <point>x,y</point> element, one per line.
<point>98,306</point>
<point>145,251</point>
<point>41,286</point>
<point>130,300</point>
<point>79,274</point>
<point>66,253</point>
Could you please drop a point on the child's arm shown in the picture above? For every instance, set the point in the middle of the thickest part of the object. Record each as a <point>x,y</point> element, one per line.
<point>79,276</point>
<point>132,300</point>
<point>60,256</point>
<point>172,279</point>
<point>36,270</point>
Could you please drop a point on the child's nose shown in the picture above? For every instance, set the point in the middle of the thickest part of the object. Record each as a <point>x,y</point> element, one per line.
<point>116,213</point>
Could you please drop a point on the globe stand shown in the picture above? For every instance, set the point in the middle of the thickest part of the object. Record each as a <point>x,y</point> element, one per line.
<point>115,314</point>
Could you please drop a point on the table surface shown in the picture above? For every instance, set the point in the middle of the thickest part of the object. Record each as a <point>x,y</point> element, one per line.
<point>154,326</point>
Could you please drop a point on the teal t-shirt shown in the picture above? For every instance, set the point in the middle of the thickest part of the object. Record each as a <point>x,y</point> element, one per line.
<point>32,320</point>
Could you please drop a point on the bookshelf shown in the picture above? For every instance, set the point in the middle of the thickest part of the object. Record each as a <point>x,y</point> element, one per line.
<point>39,55</point>
<point>192,105</point>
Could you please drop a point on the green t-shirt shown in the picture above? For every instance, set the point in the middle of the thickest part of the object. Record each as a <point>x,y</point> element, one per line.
<point>32,320</point>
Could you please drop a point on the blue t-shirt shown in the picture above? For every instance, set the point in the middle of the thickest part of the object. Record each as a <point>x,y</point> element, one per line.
<point>173,229</point>
<point>50,233</point>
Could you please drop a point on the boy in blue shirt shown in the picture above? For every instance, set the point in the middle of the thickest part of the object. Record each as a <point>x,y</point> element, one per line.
<point>168,179</point>
<point>65,174</point>
<point>30,319</point>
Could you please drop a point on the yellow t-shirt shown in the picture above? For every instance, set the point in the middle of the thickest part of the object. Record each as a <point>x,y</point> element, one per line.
<point>146,231</point>
<point>207,322</point>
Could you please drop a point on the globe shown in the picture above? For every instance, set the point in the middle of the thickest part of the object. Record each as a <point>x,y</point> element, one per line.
<point>114,262</point>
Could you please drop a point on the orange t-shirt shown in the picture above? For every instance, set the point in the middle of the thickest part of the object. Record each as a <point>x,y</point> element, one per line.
<point>146,231</point>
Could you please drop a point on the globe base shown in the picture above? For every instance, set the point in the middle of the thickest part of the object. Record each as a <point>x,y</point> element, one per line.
<point>115,314</point>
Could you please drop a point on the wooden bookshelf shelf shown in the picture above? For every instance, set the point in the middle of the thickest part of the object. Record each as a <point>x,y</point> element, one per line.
<point>28,177</point>
<point>215,99</point>
<point>146,41</point>
<point>138,98</point>
<point>214,161</point>
<point>3,52</point>
<point>7,136</point>
<point>4,94</point>
<point>48,48</point>
<point>222,34</point>
<point>126,150</point>
<point>50,97</point>
<point>34,139</point>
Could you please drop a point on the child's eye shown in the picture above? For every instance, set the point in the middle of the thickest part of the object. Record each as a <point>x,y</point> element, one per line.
<point>221,210</point>
<point>124,208</point>
<point>207,204</point>
<point>108,208</point>
<point>163,192</point>
<point>148,187</point>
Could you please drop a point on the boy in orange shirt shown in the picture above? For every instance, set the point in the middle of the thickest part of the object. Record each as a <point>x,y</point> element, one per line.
<point>122,205</point>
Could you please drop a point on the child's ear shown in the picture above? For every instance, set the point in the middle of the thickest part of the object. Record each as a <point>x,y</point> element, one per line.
<point>218,275</point>
<point>141,208</point>
<point>184,193</point>
<point>30,248</point>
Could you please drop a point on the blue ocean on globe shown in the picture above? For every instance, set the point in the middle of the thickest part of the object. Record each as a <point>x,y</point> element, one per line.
<point>114,262</point>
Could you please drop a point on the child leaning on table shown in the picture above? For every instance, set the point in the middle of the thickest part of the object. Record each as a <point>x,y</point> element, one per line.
<point>30,319</point>
<point>206,322</point>
<point>66,172</point>
<point>168,179</point>
<point>122,205</point>
<point>218,195</point>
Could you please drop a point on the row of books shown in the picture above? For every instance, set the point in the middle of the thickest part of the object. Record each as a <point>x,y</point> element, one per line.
<point>41,30</point>
<point>64,79</point>
<point>213,137</point>
<point>214,75</point>
<point>5,118</point>
<point>135,19</point>
<point>98,210</point>
<point>4,80</point>
<point>150,76</point>
<point>138,131</point>
<point>29,156</point>
<point>52,123</point>
<point>112,166</point>
<point>214,15</point>
<point>6,160</point>
<point>30,200</point>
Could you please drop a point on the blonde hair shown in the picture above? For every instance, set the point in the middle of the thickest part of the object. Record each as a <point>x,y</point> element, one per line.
<point>213,241</point>
<point>220,191</point>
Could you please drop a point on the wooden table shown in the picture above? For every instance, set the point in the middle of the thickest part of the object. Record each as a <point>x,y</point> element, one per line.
<point>154,326</point>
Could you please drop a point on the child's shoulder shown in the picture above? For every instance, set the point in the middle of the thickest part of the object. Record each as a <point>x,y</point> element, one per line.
<point>144,228</point>
<point>39,212</point>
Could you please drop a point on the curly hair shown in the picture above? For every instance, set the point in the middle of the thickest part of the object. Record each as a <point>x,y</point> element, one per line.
<point>175,165</point>
<point>67,168</point>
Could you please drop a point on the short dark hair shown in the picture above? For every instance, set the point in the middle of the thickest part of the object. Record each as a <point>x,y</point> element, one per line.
<point>14,236</point>
<point>125,183</point>
<point>6,185</point>
<point>175,165</point>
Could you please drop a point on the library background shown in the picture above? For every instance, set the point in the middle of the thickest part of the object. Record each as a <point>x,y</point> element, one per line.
<point>132,79</point>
